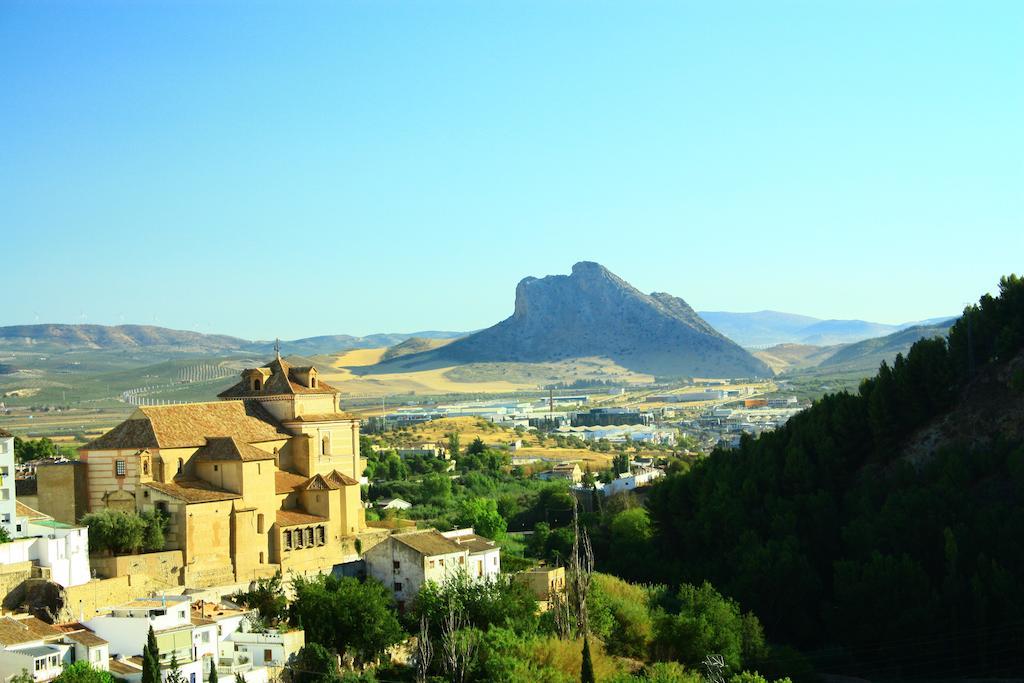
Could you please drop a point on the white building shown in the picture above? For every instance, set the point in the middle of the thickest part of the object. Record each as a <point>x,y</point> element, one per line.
<point>60,551</point>
<point>7,469</point>
<point>404,562</point>
<point>29,644</point>
<point>484,554</point>
<point>193,646</point>
<point>630,481</point>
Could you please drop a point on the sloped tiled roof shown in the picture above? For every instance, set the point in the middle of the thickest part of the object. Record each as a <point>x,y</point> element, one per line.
<point>22,510</point>
<point>116,666</point>
<point>297,517</point>
<point>86,637</point>
<point>191,424</point>
<point>286,482</point>
<point>428,543</point>
<point>474,543</point>
<point>192,491</point>
<point>283,379</point>
<point>318,483</point>
<point>230,448</point>
<point>4,434</point>
<point>341,479</point>
<point>16,631</point>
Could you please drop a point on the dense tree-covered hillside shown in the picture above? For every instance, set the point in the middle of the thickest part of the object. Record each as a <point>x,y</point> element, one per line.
<point>871,561</point>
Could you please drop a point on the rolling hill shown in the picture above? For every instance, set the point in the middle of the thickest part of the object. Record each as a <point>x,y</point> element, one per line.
<point>770,328</point>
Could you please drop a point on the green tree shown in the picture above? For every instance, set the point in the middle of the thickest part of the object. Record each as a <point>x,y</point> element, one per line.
<point>436,489</point>
<point>477,447</point>
<point>83,672</point>
<point>346,615</point>
<point>212,678</point>
<point>5,537</point>
<point>268,598</point>
<point>153,534</point>
<point>314,664</point>
<point>174,671</point>
<point>34,449</point>
<point>151,660</point>
<point>115,532</point>
<point>453,445</point>
<point>481,514</point>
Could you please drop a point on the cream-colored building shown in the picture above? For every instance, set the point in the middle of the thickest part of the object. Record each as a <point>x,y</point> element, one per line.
<point>265,479</point>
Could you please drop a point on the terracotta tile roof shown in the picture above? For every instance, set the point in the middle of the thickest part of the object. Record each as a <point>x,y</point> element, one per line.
<point>192,491</point>
<point>323,417</point>
<point>230,448</point>
<point>286,482</point>
<point>282,379</point>
<point>474,543</point>
<point>199,620</point>
<point>341,479</point>
<point>116,666</point>
<point>318,483</point>
<point>16,631</point>
<point>428,543</point>
<point>297,517</point>
<point>4,434</point>
<point>190,424</point>
<point>86,637</point>
<point>22,510</point>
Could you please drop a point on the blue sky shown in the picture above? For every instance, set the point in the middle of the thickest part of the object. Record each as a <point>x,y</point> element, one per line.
<point>303,168</point>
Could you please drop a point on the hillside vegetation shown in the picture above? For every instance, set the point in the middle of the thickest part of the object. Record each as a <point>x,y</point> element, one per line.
<point>881,531</point>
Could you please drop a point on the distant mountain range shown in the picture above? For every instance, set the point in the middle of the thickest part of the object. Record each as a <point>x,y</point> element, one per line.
<point>768,328</point>
<point>58,338</point>
<point>594,313</point>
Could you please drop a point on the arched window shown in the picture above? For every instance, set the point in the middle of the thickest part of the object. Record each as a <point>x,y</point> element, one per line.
<point>325,445</point>
<point>259,523</point>
<point>145,466</point>
<point>181,465</point>
<point>257,385</point>
<point>313,382</point>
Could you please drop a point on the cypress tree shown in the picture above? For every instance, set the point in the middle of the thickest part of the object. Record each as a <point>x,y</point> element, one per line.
<point>151,660</point>
<point>213,672</point>
<point>587,669</point>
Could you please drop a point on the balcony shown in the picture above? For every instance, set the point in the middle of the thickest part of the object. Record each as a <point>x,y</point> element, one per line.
<point>229,666</point>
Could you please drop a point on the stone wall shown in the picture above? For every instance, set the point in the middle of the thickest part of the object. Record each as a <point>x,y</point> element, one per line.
<point>12,575</point>
<point>165,568</point>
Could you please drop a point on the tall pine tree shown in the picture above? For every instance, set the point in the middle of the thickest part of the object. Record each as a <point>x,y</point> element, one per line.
<point>213,672</point>
<point>151,660</point>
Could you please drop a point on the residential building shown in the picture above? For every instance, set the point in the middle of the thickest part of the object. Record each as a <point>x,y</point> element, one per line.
<point>56,551</point>
<point>484,561</point>
<point>7,487</point>
<point>405,561</point>
<point>569,471</point>
<point>544,582</point>
<point>30,644</point>
<point>243,650</point>
<point>192,645</point>
<point>264,480</point>
<point>630,481</point>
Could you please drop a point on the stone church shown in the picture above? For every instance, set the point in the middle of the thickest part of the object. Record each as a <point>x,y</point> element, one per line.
<point>262,480</point>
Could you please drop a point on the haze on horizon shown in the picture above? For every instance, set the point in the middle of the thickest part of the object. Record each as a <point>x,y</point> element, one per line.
<point>303,169</point>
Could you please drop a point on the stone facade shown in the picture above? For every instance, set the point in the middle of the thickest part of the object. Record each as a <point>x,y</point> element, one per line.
<point>264,480</point>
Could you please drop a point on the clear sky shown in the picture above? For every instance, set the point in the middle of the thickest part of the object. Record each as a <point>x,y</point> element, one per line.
<point>302,168</point>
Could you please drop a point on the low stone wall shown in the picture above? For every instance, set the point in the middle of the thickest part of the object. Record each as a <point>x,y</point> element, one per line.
<point>12,575</point>
<point>167,567</point>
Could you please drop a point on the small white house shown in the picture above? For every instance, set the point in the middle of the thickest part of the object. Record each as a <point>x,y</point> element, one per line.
<point>30,644</point>
<point>630,481</point>
<point>484,560</point>
<point>61,551</point>
<point>404,562</point>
